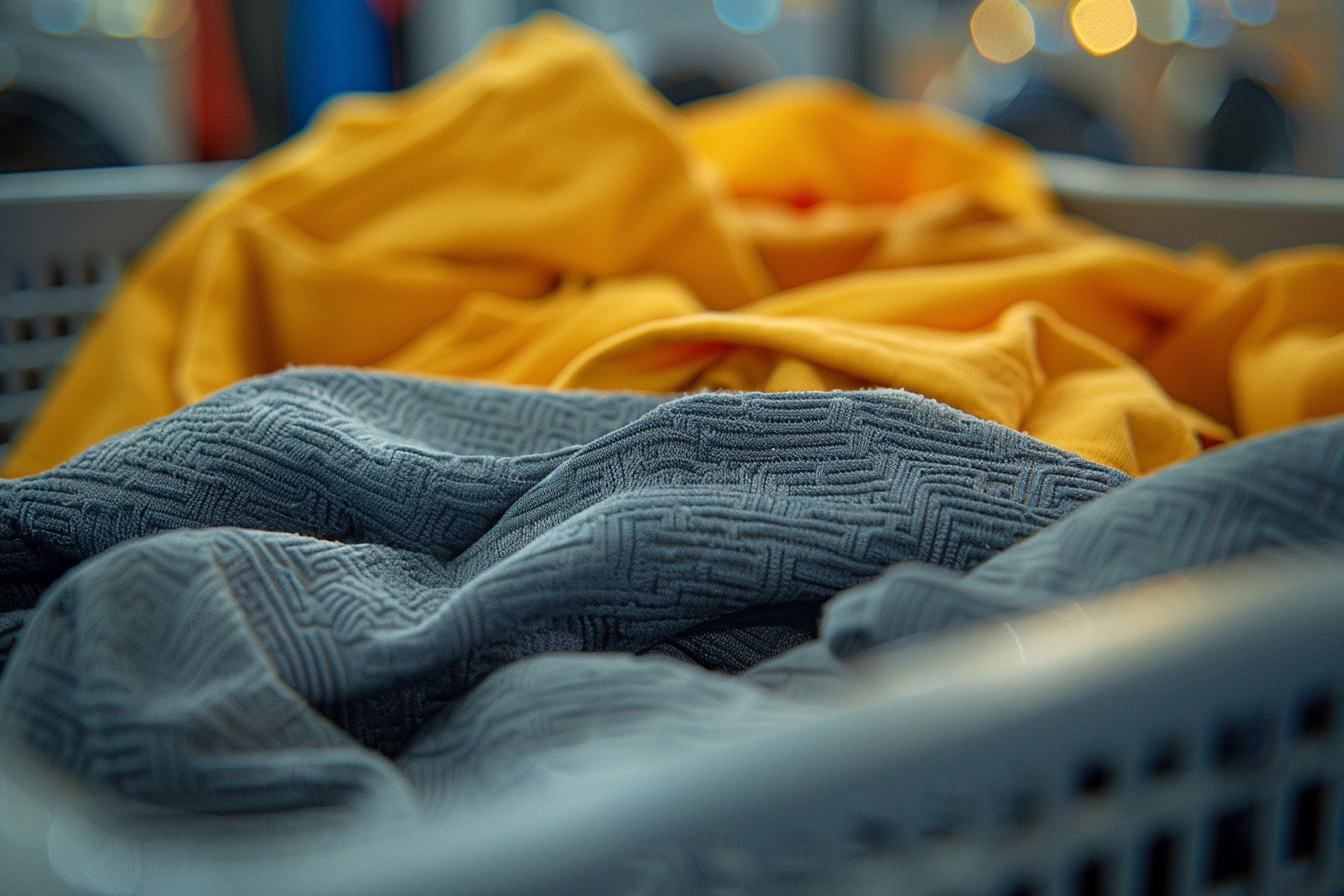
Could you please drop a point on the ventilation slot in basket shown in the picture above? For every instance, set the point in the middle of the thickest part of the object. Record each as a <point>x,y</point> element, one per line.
<point>51,301</point>
<point>1306,824</point>
<point>1159,866</point>
<point>1242,743</point>
<point>1096,779</point>
<point>1316,716</point>
<point>1093,878</point>
<point>1232,853</point>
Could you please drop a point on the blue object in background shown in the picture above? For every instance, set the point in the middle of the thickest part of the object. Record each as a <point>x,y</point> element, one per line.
<point>749,16</point>
<point>334,46</point>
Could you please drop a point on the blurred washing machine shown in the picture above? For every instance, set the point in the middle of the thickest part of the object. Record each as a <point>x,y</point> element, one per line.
<point>87,83</point>
<point>688,49</point>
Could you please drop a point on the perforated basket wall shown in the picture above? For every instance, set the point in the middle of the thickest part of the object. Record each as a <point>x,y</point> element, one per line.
<point>43,307</point>
<point>65,237</point>
<point>1182,739</point>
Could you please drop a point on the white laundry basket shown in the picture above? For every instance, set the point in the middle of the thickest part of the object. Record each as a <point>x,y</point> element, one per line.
<point>65,237</point>
<point>1184,738</point>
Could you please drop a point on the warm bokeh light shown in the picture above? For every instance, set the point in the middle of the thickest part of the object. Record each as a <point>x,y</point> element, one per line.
<point>1103,26</point>
<point>1002,30</point>
<point>1162,21</point>
<point>122,18</point>
<point>164,18</point>
<point>1285,70</point>
<point>157,19</point>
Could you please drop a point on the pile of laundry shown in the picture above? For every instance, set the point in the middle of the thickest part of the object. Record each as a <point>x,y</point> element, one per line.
<point>538,215</point>
<point>333,587</point>
<point>613,429</point>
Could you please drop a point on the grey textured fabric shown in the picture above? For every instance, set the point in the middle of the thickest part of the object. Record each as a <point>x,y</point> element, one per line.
<point>1282,494</point>
<point>264,598</point>
<point>1279,493</point>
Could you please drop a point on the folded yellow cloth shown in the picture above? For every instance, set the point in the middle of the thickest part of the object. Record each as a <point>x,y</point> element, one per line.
<point>538,215</point>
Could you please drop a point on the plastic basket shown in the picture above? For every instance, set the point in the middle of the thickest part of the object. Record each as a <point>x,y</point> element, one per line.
<point>67,236</point>
<point>1182,739</point>
<point>1179,739</point>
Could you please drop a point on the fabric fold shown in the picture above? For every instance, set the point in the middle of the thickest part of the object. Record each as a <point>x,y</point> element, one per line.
<point>1281,494</point>
<point>548,720</point>
<point>539,205</point>
<point>360,550</point>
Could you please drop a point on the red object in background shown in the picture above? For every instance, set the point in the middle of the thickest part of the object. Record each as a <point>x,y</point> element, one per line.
<point>222,113</point>
<point>391,11</point>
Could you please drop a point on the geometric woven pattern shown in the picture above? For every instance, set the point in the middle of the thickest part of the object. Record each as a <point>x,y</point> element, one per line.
<point>265,595</point>
<point>1280,493</point>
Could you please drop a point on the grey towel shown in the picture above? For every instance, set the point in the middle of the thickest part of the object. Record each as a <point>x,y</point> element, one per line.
<point>266,595</point>
<point>1279,493</point>
<point>1282,493</point>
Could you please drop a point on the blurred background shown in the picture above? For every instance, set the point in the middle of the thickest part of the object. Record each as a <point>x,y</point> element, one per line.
<point>1247,85</point>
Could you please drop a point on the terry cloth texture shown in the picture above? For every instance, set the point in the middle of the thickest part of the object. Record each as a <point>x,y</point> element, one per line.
<point>552,718</point>
<point>1283,493</point>
<point>282,585</point>
<point>538,215</point>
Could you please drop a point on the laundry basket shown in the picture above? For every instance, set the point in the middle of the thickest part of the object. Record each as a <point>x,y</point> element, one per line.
<point>67,235</point>
<point>1183,738</point>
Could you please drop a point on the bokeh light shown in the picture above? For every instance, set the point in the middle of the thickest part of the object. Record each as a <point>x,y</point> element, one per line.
<point>155,19</point>
<point>1103,26</point>
<point>1053,33</point>
<point>750,16</point>
<point>1002,30</point>
<point>1252,12</point>
<point>1280,67</point>
<point>122,18</point>
<point>61,16</point>
<point>1162,21</point>
<point>165,18</point>
<point>1210,25</point>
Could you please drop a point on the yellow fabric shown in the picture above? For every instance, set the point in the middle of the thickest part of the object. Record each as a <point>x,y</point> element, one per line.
<point>538,216</point>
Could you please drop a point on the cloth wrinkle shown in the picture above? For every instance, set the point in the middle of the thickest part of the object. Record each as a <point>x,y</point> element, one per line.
<point>537,215</point>
<point>377,586</point>
<point>518,427</point>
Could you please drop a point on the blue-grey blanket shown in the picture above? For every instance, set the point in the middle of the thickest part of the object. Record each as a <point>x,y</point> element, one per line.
<point>326,586</point>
